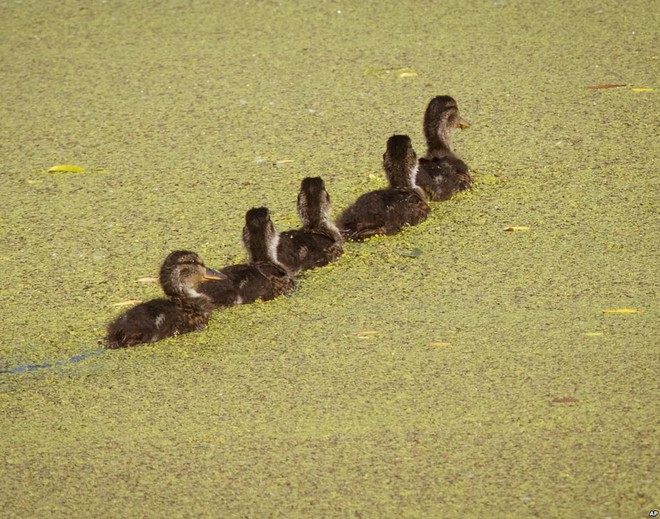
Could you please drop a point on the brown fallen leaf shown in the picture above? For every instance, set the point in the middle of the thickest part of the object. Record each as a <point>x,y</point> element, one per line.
<point>606,85</point>
<point>517,228</point>
<point>564,400</point>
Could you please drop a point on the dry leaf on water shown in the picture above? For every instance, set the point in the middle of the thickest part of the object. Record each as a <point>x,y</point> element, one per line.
<point>604,86</point>
<point>366,334</point>
<point>66,168</point>
<point>385,72</point>
<point>414,253</point>
<point>564,400</point>
<point>127,303</point>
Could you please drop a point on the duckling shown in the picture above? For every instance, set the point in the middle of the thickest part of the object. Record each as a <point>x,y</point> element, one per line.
<point>441,173</point>
<point>319,241</point>
<point>387,211</point>
<point>263,277</point>
<point>186,309</point>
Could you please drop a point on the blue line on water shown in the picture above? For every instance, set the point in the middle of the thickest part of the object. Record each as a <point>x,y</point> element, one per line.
<point>33,367</point>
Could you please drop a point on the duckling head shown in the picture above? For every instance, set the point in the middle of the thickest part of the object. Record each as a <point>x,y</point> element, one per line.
<point>182,272</point>
<point>259,235</point>
<point>313,203</point>
<point>440,119</point>
<point>400,162</point>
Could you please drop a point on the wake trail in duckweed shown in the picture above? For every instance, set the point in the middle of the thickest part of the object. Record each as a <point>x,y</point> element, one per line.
<point>24,368</point>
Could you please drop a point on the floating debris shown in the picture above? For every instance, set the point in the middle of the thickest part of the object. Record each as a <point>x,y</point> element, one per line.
<point>127,303</point>
<point>387,72</point>
<point>564,400</point>
<point>149,279</point>
<point>66,168</point>
<point>607,85</point>
<point>366,334</point>
<point>414,253</point>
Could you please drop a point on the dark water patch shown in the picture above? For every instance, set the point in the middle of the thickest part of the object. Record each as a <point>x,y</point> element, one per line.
<point>24,368</point>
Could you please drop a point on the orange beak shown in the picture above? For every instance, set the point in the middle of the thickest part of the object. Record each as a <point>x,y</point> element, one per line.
<point>462,123</point>
<point>213,274</point>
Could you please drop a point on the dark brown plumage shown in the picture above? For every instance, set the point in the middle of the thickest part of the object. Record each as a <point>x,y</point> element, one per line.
<point>263,278</point>
<point>319,241</point>
<point>186,309</point>
<point>441,173</point>
<point>387,211</point>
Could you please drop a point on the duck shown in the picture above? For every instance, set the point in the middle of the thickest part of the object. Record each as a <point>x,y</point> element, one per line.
<point>184,310</point>
<point>441,173</point>
<point>319,241</point>
<point>263,277</point>
<point>387,211</point>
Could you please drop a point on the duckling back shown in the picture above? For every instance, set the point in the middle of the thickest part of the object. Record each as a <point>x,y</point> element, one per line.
<point>319,241</point>
<point>443,177</point>
<point>385,211</point>
<point>247,283</point>
<point>153,321</point>
<point>300,250</point>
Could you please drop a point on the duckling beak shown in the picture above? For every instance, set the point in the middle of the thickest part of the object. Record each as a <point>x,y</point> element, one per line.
<point>462,123</point>
<point>213,274</point>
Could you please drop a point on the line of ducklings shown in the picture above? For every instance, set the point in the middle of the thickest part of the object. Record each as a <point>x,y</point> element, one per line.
<point>193,290</point>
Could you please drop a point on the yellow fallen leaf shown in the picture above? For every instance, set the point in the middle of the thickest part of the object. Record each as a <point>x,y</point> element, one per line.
<point>148,280</point>
<point>66,168</point>
<point>643,89</point>
<point>440,343</point>
<point>127,303</point>
<point>283,161</point>
<point>385,72</point>
<point>621,311</point>
<point>365,334</point>
<point>517,228</point>
<point>592,334</point>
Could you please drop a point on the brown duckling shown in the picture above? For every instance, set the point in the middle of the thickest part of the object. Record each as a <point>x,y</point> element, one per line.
<point>186,309</point>
<point>263,277</point>
<point>441,173</point>
<point>319,241</point>
<point>387,211</point>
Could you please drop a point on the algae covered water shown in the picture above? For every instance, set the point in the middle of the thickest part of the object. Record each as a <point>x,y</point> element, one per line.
<point>456,369</point>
